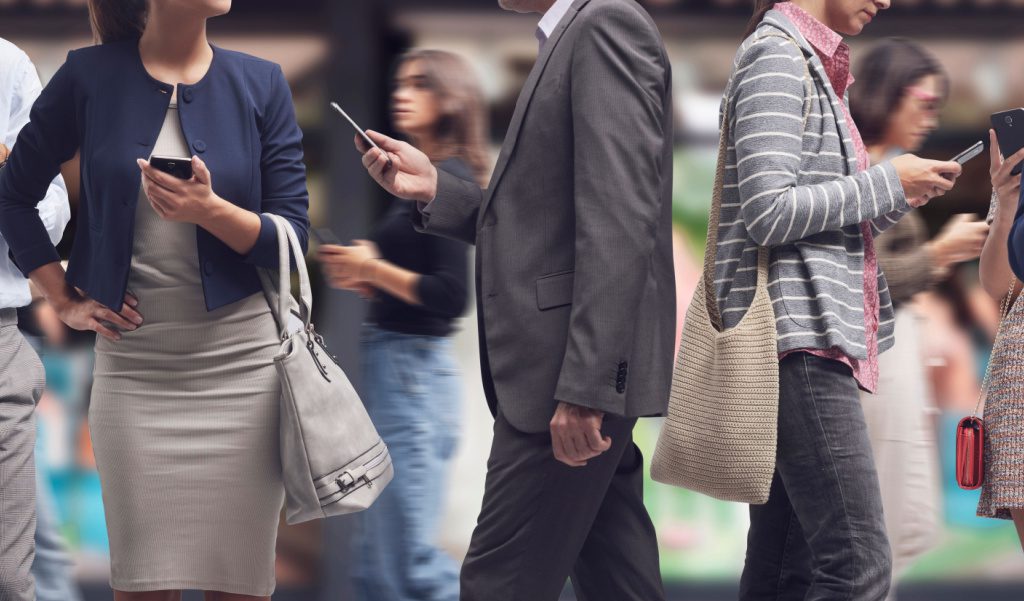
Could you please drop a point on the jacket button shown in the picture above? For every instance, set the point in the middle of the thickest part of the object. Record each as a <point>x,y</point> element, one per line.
<point>187,95</point>
<point>199,145</point>
<point>208,267</point>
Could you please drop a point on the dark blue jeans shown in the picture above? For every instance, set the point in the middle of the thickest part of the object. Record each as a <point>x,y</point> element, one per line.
<point>821,536</point>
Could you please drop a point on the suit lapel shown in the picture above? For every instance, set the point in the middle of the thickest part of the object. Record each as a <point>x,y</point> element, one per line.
<point>523,103</point>
<point>782,22</point>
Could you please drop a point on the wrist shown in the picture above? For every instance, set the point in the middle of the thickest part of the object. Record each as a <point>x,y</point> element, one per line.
<point>939,254</point>
<point>368,270</point>
<point>214,212</point>
<point>60,299</point>
<point>431,192</point>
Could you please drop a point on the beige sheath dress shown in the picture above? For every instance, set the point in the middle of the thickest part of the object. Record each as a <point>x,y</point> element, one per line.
<point>184,422</point>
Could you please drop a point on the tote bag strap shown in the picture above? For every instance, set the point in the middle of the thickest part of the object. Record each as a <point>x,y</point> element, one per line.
<point>711,245</point>
<point>279,294</point>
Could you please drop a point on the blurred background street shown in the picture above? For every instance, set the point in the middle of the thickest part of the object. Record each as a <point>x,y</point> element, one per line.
<point>345,50</point>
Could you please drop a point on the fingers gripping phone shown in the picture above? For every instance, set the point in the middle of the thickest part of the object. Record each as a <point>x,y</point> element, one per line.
<point>1009,126</point>
<point>359,130</point>
<point>179,167</point>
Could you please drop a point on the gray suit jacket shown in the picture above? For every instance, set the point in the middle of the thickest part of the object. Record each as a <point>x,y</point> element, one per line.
<point>575,284</point>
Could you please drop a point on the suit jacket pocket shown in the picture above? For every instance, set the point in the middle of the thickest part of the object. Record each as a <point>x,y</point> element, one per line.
<point>554,290</point>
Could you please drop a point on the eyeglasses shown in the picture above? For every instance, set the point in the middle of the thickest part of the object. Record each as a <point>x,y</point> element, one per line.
<point>930,102</point>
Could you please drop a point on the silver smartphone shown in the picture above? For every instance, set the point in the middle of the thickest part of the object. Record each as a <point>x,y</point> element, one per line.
<point>359,130</point>
<point>970,153</point>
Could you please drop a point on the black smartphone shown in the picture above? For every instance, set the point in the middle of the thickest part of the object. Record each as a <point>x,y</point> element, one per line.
<point>176,166</point>
<point>324,235</point>
<point>1009,126</point>
<point>970,153</point>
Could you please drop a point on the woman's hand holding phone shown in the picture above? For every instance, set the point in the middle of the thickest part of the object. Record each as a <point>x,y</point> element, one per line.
<point>925,179</point>
<point>1005,185</point>
<point>173,199</point>
<point>411,175</point>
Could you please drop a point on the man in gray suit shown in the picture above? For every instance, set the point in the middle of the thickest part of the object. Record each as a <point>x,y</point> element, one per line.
<point>576,302</point>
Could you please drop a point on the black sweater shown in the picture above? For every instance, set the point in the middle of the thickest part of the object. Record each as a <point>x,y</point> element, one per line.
<point>442,263</point>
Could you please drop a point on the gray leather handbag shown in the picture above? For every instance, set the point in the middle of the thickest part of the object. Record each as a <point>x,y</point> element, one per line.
<point>332,458</point>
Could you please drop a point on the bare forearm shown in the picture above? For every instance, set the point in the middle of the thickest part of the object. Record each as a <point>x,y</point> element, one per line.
<point>396,281</point>
<point>995,262</point>
<point>48,280</point>
<point>232,225</point>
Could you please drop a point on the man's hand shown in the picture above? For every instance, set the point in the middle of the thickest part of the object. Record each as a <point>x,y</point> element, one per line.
<point>4,153</point>
<point>576,434</point>
<point>411,175</point>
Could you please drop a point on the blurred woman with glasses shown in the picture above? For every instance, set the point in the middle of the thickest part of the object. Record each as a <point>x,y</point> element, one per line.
<point>411,386</point>
<point>900,89</point>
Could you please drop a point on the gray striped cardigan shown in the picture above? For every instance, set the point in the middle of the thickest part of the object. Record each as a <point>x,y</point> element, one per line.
<point>793,186</point>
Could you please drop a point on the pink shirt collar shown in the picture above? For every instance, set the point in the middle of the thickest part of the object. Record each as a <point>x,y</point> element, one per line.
<point>829,45</point>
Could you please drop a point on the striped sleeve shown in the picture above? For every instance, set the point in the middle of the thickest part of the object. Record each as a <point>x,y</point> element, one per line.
<point>768,130</point>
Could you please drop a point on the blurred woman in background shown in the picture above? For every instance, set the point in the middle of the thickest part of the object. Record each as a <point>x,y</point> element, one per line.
<point>900,89</point>
<point>411,386</point>
<point>1003,493</point>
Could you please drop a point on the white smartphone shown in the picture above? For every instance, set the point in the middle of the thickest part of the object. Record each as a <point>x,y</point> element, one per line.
<point>359,130</point>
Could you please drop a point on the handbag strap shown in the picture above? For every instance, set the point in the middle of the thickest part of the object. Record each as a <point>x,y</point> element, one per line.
<point>1004,309</point>
<point>711,244</point>
<point>280,296</point>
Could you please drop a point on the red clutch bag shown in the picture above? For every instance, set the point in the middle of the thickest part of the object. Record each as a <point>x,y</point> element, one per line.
<point>970,453</point>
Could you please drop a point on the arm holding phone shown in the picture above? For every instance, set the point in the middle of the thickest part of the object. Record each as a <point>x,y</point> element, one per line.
<point>360,268</point>
<point>995,267</point>
<point>194,201</point>
<point>448,205</point>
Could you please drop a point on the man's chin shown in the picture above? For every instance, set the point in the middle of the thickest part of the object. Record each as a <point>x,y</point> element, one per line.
<point>518,6</point>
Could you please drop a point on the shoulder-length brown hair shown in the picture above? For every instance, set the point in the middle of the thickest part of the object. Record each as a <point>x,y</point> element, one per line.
<point>883,76</point>
<point>116,20</point>
<point>462,128</point>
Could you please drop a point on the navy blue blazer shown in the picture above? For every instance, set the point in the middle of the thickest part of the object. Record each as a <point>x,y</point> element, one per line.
<point>239,119</point>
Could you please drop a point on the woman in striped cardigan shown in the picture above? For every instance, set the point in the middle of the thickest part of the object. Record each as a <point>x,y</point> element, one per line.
<point>798,180</point>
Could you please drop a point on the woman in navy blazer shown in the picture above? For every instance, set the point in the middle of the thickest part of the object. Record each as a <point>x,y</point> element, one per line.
<point>184,405</point>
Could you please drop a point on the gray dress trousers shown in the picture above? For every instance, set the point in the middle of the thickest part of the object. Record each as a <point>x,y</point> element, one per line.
<point>184,423</point>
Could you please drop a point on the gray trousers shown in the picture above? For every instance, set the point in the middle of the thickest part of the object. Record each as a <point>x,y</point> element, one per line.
<point>542,522</point>
<point>821,536</point>
<point>21,384</point>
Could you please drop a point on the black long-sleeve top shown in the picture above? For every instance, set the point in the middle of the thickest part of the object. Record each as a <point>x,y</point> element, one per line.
<point>443,266</point>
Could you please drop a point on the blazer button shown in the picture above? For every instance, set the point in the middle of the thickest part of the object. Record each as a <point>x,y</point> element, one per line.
<point>199,145</point>
<point>208,267</point>
<point>187,95</point>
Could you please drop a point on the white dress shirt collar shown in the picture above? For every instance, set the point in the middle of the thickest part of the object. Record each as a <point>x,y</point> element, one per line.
<point>551,19</point>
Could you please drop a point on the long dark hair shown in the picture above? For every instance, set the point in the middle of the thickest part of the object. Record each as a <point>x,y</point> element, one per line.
<point>883,77</point>
<point>761,8</point>
<point>116,20</point>
<point>462,129</point>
